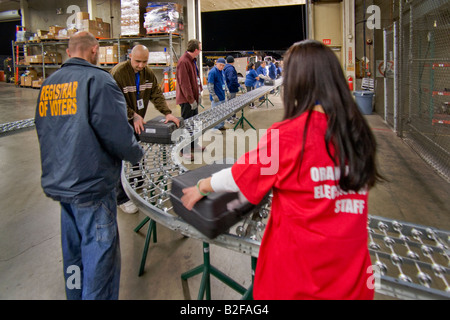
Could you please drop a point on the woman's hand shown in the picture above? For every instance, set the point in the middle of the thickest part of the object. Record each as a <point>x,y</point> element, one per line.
<point>194,194</point>
<point>191,197</point>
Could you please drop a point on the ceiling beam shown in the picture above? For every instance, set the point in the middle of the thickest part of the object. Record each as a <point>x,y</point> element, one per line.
<point>220,5</point>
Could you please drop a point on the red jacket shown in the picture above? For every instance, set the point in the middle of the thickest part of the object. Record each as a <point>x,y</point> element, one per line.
<point>188,80</point>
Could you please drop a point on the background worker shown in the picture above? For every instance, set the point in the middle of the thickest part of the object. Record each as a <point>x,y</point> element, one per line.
<point>189,87</point>
<point>272,69</point>
<point>233,85</point>
<point>8,69</point>
<point>139,86</point>
<point>251,78</point>
<point>217,86</point>
<point>82,147</point>
<point>262,73</point>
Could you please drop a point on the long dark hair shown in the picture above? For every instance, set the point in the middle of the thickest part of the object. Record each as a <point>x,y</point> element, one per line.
<point>313,75</point>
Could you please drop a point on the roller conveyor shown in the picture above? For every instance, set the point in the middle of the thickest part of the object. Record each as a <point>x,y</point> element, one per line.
<point>410,261</point>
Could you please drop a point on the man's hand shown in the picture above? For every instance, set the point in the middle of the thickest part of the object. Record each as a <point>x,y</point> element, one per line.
<point>171,117</point>
<point>138,123</point>
<point>194,105</point>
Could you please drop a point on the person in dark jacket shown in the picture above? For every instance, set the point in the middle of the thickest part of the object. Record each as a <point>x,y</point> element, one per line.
<point>83,132</point>
<point>139,86</point>
<point>262,73</point>
<point>251,78</point>
<point>217,87</point>
<point>272,69</point>
<point>233,85</point>
<point>231,77</point>
<point>189,87</point>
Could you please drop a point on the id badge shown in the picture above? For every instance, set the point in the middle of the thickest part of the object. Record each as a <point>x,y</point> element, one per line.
<point>198,81</point>
<point>140,104</point>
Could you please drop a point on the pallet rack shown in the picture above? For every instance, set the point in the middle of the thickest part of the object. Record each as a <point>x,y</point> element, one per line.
<point>22,49</point>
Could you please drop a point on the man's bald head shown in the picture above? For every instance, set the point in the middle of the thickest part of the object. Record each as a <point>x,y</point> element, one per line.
<point>139,57</point>
<point>83,45</point>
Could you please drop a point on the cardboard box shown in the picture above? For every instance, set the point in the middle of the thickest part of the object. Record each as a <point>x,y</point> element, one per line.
<point>102,55</point>
<point>55,29</point>
<point>160,58</point>
<point>41,33</point>
<point>54,57</point>
<point>82,16</point>
<point>29,80</point>
<point>48,36</point>
<point>98,28</point>
<point>37,83</point>
<point>49,58</point>
<point>112,53</point>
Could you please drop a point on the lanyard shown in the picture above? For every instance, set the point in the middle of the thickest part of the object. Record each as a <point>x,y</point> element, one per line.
<point>138,80</point>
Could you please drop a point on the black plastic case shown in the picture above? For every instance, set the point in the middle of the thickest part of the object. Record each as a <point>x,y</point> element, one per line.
<point>212,215</point>
<point>156,131</point>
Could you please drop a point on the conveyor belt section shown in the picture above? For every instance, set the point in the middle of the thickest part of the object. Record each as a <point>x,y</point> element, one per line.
<point>16,126</point>
<point>410,261</point>
<point>148,183</point>
<point>21,125</point>
<point>413,260</point>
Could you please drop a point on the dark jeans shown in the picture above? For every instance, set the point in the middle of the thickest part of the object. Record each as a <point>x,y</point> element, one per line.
<point>121,195</point>
<point>91,249</point>
<point>186,113</point>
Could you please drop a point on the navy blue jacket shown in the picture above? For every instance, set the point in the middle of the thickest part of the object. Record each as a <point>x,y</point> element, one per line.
<point>250,78</point>
<point>215,76</point>
<point>272,71</point>
<point>231,77</point>
<point>83,131</point>
<point>262,71</point>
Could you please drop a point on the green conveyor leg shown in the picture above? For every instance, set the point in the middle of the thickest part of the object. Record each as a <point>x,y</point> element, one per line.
<point>207,270</point>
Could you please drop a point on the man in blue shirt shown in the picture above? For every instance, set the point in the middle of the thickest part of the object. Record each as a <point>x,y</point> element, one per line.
<point>217,87</point>
<point>233,85</point>
<point>272,69</point>
<point>262,74</point>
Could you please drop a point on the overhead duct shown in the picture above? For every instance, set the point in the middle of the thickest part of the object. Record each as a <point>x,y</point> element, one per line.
<point>11,15</point>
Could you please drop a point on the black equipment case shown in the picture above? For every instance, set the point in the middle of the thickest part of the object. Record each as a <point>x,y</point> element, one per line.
<point>215,213</point>
<point>156,131</point>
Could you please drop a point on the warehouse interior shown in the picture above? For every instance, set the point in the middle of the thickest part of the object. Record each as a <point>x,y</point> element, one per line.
<point>396,50</point>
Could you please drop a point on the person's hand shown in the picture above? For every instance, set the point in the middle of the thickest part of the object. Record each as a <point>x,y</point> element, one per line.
<point>194,105</point>
<point>191,197</point>
<point>171,117</point>
<point>138,123</point>
<point>216,98</point>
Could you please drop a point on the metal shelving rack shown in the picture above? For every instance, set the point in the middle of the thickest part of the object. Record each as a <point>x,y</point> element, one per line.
<point>20,50</point>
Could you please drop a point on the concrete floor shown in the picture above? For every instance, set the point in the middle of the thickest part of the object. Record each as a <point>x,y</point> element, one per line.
<point>30,248</point>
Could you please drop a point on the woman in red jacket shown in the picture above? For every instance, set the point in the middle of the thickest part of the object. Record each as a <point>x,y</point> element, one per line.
<point>315,242</point>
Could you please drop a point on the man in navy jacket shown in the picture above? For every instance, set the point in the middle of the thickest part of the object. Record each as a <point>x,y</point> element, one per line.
<point>84,134</point>
<point>231,77</point>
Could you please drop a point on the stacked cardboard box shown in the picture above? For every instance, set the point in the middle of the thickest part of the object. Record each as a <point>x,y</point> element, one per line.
<point>110,54</point>
<point>37,83</point>
<point>158,58</point>
<point>26,80</point>
<point>49,58</point>
<point>97,27</point>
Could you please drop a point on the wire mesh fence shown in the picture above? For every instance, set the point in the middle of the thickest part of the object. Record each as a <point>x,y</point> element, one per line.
<point>420,103</point>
